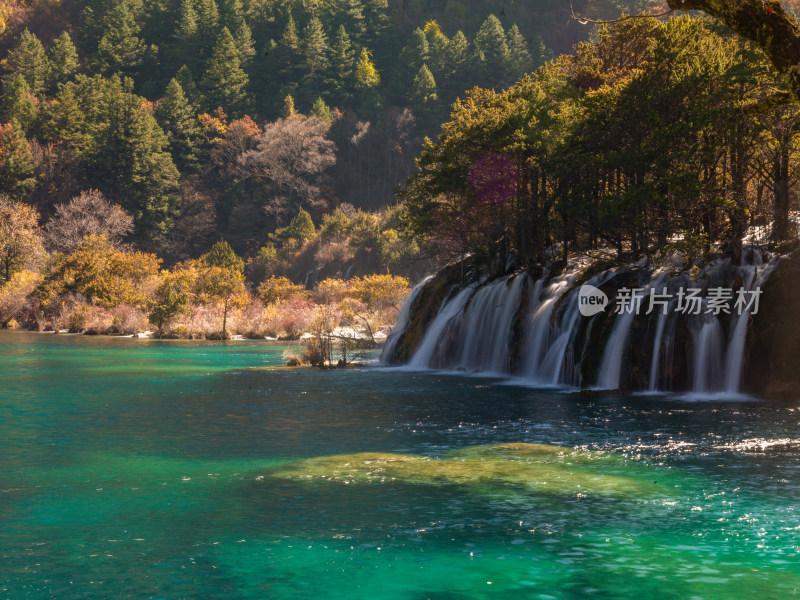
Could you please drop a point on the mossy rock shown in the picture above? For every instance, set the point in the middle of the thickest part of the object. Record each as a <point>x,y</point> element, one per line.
<point>527,468</point>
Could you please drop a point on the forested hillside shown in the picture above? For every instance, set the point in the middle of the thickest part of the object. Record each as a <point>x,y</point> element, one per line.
<point>659,136</point>
<point>188,113</point>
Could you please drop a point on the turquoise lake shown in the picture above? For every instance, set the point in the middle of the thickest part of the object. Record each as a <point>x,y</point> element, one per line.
<point>143,469</point>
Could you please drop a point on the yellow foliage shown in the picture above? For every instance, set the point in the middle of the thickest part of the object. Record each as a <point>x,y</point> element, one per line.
<point>105,275</point>
<point>280,289</point>
<point>14,294</point>
<point>381,291</point>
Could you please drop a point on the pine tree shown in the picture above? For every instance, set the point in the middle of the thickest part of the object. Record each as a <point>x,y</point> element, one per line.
<point>18,103</point>
<point>16,160</point>
<point>491,51</point>
<point>63,58</point>
<point>438,45</point>
<point>177,118</point>
<point>340,78</point>
<point>423,91</point>
<point>315,55</point>
<point>321,110</point>
<point>189,87</point>
<point>208,19</point>
<point>351,15</point>
<point>224,82</point>
<point>186,37</point>
<point>519,59</point>
<point>287,53</point>
<point>233,18</point>
<point>28,59</point>
<point>128,160</point>
<point>120,50</point>
<point>412,57</point>
<point>65,122</point>
<point>376,13</point>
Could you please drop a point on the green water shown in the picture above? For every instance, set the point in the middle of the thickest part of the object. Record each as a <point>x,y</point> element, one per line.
<point>175,470</point>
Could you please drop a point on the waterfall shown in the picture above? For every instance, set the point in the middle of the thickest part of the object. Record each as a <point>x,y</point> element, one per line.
<point>611,365</point>
<point>487,322</point>
<point>708,357</point>
<point>653,378</point>
<point>435,337</point>
<point>538,325</point>
<point>403,320</point>
<point>610,372</point>
<point>540,329</point>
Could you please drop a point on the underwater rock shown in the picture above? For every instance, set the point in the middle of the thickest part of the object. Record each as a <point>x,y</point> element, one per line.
<point>530,468</point>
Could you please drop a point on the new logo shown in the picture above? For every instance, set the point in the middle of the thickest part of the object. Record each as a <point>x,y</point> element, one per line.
<point>591,300</point>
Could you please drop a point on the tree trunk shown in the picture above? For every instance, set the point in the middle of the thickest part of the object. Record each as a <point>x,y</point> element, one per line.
<point>225,321</point>
<point>781,204</point>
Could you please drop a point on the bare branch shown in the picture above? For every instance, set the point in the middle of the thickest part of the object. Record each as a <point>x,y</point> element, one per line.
<point>584,21</point>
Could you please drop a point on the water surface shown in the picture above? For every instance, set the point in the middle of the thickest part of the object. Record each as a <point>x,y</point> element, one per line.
<point>144,469</point>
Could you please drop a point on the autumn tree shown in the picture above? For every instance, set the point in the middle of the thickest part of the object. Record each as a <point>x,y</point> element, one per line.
<point>89,213</point>
<point>222,279</point>
<point>20,237</point>
<point>292,156</point>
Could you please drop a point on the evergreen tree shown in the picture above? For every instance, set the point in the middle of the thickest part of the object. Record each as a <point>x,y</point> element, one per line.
<point>351,15</point>
<point>18,103</point>
<point>287,53</point>
<point>455,67</point>
<point>222,255</point>
<point>233,18</point>
<point>28,59</point>
<point>321,110</point>
<point>186,36</point>
<point>177,118</point>
<point>63,60</point>
<point>16,161</point>
<point>423,95</point>
<point>376,13</point>
<point>64,121</point>
<point>189,87</point>
<point>208,19</point>
<point>519,58</point>
<point>412,57</point>
<point>128,161</point>
<point>491,51</point>
<point>438,45</point>
<point>120,50</point>
<point>315,55</point>
<point>341,67</point>
<point>224,82</point>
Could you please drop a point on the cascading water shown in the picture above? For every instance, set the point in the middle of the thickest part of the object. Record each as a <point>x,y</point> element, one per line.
<point>403,320</point>
<point>533,329</point>
<point>487,322</point>
<point>708,346</point>
<point>448,318</point>
<point>610,371</point>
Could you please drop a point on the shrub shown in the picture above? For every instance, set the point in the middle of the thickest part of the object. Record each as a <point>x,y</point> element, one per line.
<point>280,289</point>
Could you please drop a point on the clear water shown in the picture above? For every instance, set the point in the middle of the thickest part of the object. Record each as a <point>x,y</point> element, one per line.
<point>170,470</point>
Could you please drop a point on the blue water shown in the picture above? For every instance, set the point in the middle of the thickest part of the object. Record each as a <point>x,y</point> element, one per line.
<point>203,470</point>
